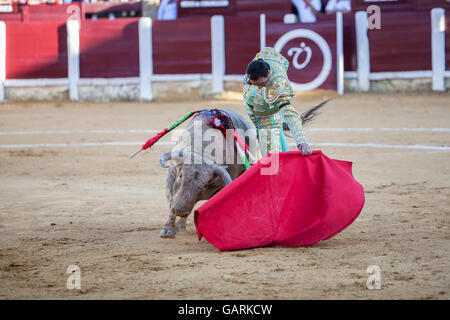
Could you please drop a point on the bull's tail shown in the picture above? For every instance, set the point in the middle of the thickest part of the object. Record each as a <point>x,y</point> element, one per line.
<point>312,113</point>
<point>309,115</point>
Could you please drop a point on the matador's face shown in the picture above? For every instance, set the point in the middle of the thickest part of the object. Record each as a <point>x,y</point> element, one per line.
<point>261,81</point>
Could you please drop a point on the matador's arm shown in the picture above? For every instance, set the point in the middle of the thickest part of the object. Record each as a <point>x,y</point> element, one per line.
<point>294,122</point>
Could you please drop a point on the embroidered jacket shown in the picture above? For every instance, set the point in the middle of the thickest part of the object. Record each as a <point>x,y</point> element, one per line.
<point>276,93</point>
<point>275,96</point>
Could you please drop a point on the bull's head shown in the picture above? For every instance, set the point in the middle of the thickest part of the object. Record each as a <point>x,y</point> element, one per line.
<point>193,181</point>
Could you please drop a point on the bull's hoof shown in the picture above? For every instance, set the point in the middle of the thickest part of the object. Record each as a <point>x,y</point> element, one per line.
<point>167,233</point>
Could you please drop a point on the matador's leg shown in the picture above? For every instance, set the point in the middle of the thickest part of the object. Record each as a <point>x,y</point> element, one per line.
<point>269,134</point>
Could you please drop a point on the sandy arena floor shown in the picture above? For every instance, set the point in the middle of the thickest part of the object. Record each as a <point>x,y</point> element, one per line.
<point>93,207</point>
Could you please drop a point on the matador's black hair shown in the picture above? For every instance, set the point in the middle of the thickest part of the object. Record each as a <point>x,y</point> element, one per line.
<point>258,68</point>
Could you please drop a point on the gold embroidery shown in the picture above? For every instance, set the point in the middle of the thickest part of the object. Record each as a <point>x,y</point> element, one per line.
<point>265,114</point>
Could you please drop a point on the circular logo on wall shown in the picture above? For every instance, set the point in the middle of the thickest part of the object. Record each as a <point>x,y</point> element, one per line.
<point>303,53</point>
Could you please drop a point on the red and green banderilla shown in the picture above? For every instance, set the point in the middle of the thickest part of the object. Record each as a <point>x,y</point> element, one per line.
<point>217,123</point>
<point>159,135</point>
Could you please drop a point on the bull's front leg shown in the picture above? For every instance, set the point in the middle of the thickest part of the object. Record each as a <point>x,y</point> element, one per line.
<point>168,230</point>
<point>181,224</point>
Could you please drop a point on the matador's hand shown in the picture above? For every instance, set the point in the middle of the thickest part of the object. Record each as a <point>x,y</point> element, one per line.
<point>304,148</point>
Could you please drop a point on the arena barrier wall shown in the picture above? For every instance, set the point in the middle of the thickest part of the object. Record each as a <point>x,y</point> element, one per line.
<point>138,59</point>
<point>62,12</point>
<point>411,52</point>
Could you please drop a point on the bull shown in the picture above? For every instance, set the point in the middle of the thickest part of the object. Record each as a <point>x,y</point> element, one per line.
<point>190,178</point>
<point>188,182</point>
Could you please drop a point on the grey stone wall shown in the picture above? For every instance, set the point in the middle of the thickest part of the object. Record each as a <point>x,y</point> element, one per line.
<point>57,93</point>
<point>188,90</point>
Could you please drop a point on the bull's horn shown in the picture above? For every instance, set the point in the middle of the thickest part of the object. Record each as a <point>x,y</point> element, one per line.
<point>221,172</point>
<point>167,156</point>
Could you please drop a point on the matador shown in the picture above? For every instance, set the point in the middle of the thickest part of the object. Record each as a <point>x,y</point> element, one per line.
<point>267,96</point>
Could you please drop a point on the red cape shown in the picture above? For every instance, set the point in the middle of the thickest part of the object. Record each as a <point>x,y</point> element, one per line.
<point>310,199</point>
